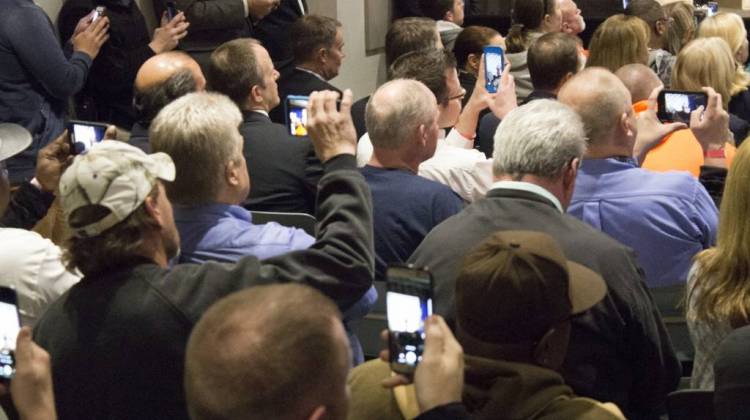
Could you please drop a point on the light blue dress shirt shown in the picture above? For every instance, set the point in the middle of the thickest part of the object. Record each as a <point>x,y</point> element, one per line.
<point>666,217</point>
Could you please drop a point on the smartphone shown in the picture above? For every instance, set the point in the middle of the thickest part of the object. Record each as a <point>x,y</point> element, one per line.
<point>625,4</point>
<point>85,134</point>
<point>676,106</point>
<point>98,12</point>
<point>171,10</point>
<point>295,108</point>
<point>494,63</point>
<point>713,8</point>
<point>408,304</point>
<point>10,325</point>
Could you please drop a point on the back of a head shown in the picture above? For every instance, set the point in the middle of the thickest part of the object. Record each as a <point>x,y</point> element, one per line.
<point>436,9</point>
<point>199,131</point>
<point>618,41</point>
<point>310,33</point>
<point>267,352</point>
<point>409,34</point>
<point>683,28</point>
<point>551,58</point>
<point>472,40</point>
<point>706,62</point>
<point>600,99</point>
<point>396,110</point>
<point>426,66</point>
<point>648,10</point>
<point>234,69</point>
<point>639,80</point>
<point>525,16</point>
<point>727,26</point>
<point>540,138</point>
<point>161,80</point>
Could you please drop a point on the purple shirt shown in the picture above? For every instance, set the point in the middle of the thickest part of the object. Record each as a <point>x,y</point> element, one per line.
<point>666,217</point>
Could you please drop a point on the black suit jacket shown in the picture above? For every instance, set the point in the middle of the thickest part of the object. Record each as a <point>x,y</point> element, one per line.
<point>358,116</point>
<point>273,32</point>
<point>284,171</point>
<point>619,350</point>
<point>298,82</point>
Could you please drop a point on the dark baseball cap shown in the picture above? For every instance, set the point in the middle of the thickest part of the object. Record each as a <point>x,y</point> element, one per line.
<point>517,285</point>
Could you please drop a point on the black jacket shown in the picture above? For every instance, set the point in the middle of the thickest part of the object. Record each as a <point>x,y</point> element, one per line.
<point>117,339</point>
<point>27,206</point>
<point>298,82</point>
<point>619,350</point>
<point>284,170</point>
<point>110,81</point>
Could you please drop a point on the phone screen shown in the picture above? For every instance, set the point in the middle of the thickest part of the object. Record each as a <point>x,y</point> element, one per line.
<point>296,115</point>
<point>10,324</point>
<point>171,10</point>
<point>408,303</point>
<point>494,61</point>
<point>713,8</point>
<point>85,135</point>
<point>677,106</point>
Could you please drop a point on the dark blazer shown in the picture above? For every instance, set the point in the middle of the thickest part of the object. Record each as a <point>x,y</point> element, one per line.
<point>358,116</point>
<point>298,82</point>
<point>619,350</point>
<point>139,137</point>
<point>283,169</point>
<point>273,32</point>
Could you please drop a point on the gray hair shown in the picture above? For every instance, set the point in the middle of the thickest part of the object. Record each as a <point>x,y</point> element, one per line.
<point>539,138</point>
<point>396,110</point>
<point>199,131</point>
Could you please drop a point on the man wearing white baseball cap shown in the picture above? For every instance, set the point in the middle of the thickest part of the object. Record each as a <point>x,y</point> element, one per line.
<point>28,263</point>
<point>117,339</point>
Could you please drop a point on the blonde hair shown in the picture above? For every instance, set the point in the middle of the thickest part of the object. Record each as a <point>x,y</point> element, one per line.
<point>707,62</point>
<point>682,30</point>
<point>730,28</point>
<point>618,41</point>
<point>724,270</point>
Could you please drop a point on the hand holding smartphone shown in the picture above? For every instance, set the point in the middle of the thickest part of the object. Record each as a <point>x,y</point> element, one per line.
<point>676,106</point>
<point>10,325</point>
<point>408,305</point>
<point>84,135</point>
<point>295,108</point>
<point>494,63</point>
<point>171,10</point>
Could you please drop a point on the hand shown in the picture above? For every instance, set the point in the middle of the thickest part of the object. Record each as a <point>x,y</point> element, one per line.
<point>331,131</point>
<point>710,125</point>
<point>31,387</point>
<point>51,162</point>
<point>650,130</point>
<point>439,377</point>
<point>480,99</point>
<point>168,35</point>
<point>505,100</point>
<point>90,40</point>
<point>83,24</point>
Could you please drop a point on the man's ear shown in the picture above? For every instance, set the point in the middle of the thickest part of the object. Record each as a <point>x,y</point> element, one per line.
<point>625,125</point>
<point>231,173</point>
<point>318,413</point>
<point>255,96</point>
<point>322,55</point>
<point>571,173</point>
<point>448,17</point>
<point>473,61</point>
<point>152,209</point>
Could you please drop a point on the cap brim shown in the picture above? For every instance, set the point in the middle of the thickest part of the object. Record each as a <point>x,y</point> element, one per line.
<point>13,140</point>
<point>164,167</point>
<point>586,288</point>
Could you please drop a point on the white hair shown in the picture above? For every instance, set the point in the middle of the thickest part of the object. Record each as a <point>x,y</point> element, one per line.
<point>539,138</point>
<point>199,131</point>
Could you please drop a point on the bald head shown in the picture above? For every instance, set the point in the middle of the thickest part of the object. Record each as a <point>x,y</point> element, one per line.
<point>162,79</point>
<point>396,111</point>
<point>639,80</point>
<point>254,349</point>
<point>600,99</point>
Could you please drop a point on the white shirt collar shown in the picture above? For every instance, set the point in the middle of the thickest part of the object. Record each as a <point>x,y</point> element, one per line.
<point>444,25</point>
<point>532,188</point>
<point>260,111</point>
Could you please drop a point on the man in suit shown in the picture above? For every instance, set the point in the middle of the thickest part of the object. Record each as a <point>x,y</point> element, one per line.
<point>213,22</point>
<point>620,350</point>
<point>283,169</point>
<point>317,45</point>
<point>273,33</point>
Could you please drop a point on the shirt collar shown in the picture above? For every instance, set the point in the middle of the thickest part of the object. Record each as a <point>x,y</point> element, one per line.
<point>529,187</point>
<point>311,72</point>
<point>260,111</point>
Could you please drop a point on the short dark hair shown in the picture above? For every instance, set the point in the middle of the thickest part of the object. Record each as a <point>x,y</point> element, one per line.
<point>310,33</point>
<point>250,353</point>
<point>436,9</point>
<point>472,40</point>
<point>551,58</point>
<point>426,66</point>
<point>409,34</point>
<point>150,101</point>
<point>526,16</point>
<point>649,10</point>
<point>234,70</point>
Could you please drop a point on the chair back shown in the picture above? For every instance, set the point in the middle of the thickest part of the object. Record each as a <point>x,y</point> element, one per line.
<point>302,221</point>
<point>691,404</point>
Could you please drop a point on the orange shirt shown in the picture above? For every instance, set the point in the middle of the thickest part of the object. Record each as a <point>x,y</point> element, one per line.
<point>679,151</point>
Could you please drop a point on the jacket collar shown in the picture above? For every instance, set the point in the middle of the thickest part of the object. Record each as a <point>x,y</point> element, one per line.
<point>525,191</point>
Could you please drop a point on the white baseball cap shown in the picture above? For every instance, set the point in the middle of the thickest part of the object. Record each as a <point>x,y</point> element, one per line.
<point>13,140</point>
<point>115,175</point>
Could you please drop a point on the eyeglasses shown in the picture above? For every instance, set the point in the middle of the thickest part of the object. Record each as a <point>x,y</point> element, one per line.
<point>459,96</point>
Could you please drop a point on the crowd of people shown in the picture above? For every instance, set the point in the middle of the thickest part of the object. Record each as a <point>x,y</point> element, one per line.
<point>549,212</point>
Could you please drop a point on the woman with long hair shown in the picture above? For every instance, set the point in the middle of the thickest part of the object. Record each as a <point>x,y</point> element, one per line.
<point>718,298</point>
<point>618,41</point>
